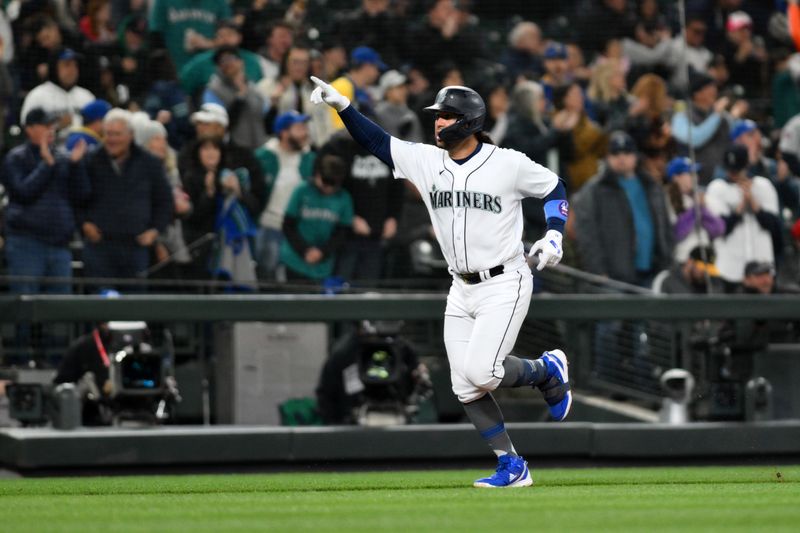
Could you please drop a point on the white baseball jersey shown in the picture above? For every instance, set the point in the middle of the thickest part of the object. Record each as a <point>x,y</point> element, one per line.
<point>475,207</point>
<point>748,241</point>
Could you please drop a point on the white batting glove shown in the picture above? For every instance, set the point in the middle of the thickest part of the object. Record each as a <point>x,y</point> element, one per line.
<point>550,248</point>
<point>328,94</point>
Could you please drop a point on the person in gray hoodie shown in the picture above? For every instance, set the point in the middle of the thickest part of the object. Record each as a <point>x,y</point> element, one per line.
<point>246,107</point>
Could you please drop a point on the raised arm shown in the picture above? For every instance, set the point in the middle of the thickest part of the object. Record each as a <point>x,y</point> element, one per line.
<point>364,131</point>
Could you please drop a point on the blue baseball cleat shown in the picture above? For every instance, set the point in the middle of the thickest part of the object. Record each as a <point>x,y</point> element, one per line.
<point>556,389</point>
<point>512,471</point>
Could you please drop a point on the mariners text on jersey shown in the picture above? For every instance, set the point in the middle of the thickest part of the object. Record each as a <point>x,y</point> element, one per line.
<point>469,199</point>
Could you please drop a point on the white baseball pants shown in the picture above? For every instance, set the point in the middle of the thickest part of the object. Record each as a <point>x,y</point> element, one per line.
<point>481,324</point>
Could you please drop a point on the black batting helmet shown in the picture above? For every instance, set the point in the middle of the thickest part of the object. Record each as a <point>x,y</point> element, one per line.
<point>465,103</point>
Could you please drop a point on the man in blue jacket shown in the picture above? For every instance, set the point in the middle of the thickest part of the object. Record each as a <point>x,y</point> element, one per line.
<point>130,204</point>
<point>44,189</point>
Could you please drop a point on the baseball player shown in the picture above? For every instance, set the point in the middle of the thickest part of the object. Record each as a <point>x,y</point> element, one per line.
<point>473,191</point>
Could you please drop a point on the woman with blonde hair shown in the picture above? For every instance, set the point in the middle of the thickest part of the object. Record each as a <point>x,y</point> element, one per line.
<point>608,93</point>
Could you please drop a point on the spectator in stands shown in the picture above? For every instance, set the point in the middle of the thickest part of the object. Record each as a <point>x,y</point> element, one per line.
<point>186,27</point>
<point>60,95</point>
<point>129,206</point>
<point>42,38</point>
<point>165,100</point>
<point>291,92</point>
<point>91,132</point>
<point>588,140</point>
<point>529,130</point>
<point>621,222</point>
<point>365,69</point>
<point>445,36</point>
<point>95,25</point>
<point>745,55</point>
<point>377,200</point>
<point>170,249</point>
<point>6,84</point>
<point>608,93</point>
<point>785,98</point>
<point>747,133</point>
<point>317,220</point>
<point>129,57</point>
<point>576,63</point>
<point>333,58</point>
<point>749,206</point>
<point>673,54</point>
<point>691,275</point>
<point>556,69</point>
<point>603,20</point>
<point>709,124</point>
<point>257,19</point>
<point>375,25</point>
<point>523,57</point>
<point>6,39</point>
<point>392,112</point>
<point>497,106</point>
<point>279,40</point>
<point>229,87</point>
<point>689,229</point>
<point>211,123</point>
<point>44,189</point>
<point>649,123</point>
<point>287,161</point>
<point>198,70</point>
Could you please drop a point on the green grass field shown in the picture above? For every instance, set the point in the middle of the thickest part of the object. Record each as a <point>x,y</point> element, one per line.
<point>608,499</point>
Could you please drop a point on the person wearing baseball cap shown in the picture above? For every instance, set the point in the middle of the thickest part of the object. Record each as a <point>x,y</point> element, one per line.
<point>288,161</point>
<point>92,129</point>
<point>211,120</point>
<point>44,188</point>
<point>244,176</point>
<point>621,221</point>
<point>366,66</point>
<point>745,55</point>
<point>691,275</point>
<point>60,95</point>
<point>556,68</point>
<point>688,230</point>
<point>749,207</point>
<point>392,112</point>
<point>748,134</point>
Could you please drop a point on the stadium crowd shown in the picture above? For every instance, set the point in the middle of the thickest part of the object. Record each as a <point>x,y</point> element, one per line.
<point>175,138</point>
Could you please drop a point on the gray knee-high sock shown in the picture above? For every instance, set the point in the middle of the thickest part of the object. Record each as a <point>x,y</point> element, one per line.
<point>523,372</point>
<point>485,415</point>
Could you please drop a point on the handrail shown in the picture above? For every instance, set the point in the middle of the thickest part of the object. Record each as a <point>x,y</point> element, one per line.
<point>305,307</point>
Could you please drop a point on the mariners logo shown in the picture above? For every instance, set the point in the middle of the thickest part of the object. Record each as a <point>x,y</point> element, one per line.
<point>468,199</point>
<point>563,208</point>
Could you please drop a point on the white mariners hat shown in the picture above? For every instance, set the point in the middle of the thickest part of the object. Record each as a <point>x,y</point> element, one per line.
<point>211,113</point>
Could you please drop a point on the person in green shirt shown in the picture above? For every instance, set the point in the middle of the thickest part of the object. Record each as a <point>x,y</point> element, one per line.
<point>187,26</point>
<point>198,70</point>
<point>317,222</point>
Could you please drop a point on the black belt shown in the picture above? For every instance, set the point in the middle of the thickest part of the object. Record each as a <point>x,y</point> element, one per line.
<point>472,278</point>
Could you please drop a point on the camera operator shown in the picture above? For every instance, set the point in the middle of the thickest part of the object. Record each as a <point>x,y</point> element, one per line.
<point>341,390</point>
<point>87,364</point>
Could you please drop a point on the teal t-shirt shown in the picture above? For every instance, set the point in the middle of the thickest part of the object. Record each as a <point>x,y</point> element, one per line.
<point>198,70</point>
<point>317,217</point>
<point>172,18</point>
<point>642,222</point>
